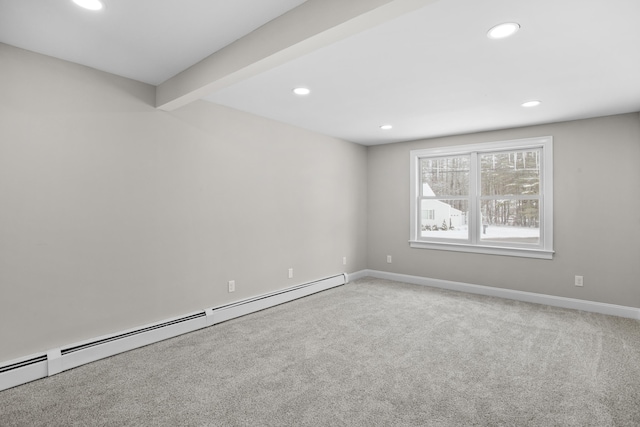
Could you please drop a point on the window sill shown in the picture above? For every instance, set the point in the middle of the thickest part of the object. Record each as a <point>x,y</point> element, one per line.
<point>487,250</point>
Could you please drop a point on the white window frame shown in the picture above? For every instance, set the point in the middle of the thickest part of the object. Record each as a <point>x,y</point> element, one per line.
<point>543,250</point>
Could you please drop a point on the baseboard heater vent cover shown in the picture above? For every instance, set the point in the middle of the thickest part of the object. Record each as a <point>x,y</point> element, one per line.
<point>251,305</point>
<point>21,371</point>
<point>23,364</point>
<point>65,351</point>
<point>54,361</point>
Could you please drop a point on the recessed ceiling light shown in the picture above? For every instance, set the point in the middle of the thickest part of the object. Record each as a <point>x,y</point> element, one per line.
<point>302,91</point>
<point>531,104</point>
<point>89,4</point>
<point>503,30</point>
<point>386,127</point>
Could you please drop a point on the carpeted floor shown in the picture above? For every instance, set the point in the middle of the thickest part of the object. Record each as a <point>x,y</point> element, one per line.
<point>371,353</point>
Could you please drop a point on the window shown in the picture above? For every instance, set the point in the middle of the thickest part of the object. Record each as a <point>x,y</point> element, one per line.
<point>429,214</point>
<point>494,198</point>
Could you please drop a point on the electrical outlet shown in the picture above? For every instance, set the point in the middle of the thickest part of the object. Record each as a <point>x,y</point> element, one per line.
<point>579,281</point>
<point>291,273</point>
<point>344,260</point>
<point>389,259</point>
<point>232,285</point>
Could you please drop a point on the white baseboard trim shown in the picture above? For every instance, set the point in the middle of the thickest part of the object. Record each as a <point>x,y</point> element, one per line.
<point>576,304</point>
<point>358,275</point>
<point>54,361</point>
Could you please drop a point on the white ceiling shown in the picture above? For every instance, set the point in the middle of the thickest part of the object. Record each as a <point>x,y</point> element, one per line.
<point>431,72</point>
<point>145,40</point>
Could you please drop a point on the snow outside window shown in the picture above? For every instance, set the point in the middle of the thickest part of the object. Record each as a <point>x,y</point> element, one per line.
<point>494,198</point>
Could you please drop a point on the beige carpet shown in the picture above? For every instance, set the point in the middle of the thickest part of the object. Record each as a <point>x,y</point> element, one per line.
<point>371,353</point>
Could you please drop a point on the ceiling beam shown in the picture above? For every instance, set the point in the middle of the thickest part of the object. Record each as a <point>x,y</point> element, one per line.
<point>304,29</point>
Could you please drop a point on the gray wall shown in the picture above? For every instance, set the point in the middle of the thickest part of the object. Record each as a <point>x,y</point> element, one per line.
<point>596,218</point>
<point>115,214</point>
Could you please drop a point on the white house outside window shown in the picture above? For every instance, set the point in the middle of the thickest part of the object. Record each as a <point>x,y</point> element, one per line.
<point>494,198</point>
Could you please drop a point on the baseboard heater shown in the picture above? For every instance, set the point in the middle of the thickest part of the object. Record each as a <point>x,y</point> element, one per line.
<point>54,361</point>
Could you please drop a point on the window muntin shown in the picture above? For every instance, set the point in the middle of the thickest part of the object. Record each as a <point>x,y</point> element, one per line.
<point>489,198</point>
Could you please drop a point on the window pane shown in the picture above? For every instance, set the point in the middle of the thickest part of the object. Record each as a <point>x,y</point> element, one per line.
<point>511,221</point>
<point>512,173</point>
<point>445,176</point>
<point>444,218</point>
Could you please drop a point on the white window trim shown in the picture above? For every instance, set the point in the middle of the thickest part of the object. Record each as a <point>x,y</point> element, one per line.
<point>544,251</point>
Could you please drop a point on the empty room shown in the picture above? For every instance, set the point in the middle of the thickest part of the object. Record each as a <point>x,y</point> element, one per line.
<point>319,213</point>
